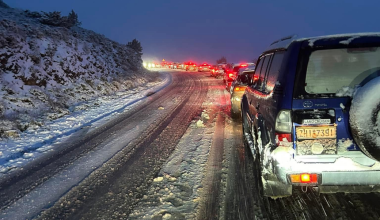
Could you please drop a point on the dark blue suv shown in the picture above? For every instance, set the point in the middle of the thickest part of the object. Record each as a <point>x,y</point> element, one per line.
<point>311,114</point>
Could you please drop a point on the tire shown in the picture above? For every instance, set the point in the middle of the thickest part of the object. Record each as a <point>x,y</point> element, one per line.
<point>235,115</point>
<point>365,118</point>
<point>256,157</point>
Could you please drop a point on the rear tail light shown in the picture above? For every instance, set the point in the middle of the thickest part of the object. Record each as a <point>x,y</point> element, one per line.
<point>255,77</point>
<point>283,128</point>
<point>194,65</point>
<point>238,88</point>
<point>231,75</point>
<point>244,65</point>
<point>304,178</point>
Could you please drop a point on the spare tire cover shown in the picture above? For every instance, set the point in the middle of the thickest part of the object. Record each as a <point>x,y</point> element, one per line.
<point>365,118</point>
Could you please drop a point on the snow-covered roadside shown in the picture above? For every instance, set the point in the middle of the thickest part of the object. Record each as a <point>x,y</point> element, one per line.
<point>176,192</point>
<point>34,142</point>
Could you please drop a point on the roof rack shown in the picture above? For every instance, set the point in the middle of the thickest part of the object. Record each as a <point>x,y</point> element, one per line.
<point>285,38</point>
<point>283,43</point>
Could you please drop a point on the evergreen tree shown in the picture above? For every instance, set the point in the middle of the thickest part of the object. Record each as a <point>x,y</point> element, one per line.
<point>55,19</point>
<point>52,18</point>
<point>135,45</point>
<point>222,60</point>
<point>72,19</point>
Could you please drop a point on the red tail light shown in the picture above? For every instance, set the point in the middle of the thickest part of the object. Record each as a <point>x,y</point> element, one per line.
<point>244,65</point>
<point>194,65</point>
<point>231,75</point>
<point>255,77</point>
<point>283,137</point>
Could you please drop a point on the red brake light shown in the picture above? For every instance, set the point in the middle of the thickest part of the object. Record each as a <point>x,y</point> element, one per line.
<point>231,75</point>
<point>243,65</point>
<point>194,65</point>
<point>255,77</point>
<point>283,137</point>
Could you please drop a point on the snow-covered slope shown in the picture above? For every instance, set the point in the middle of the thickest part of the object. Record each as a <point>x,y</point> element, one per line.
<point>45,70</point>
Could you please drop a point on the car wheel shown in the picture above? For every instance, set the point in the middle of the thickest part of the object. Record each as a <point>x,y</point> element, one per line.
<point>251,145</point>
<point>234,115</point>
<point>365,118</point>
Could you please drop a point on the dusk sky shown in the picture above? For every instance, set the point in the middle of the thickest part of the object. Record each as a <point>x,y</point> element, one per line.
<point>204,30</point>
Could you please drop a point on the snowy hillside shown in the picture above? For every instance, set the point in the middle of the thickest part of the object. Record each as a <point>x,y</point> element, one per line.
<point>46,70</point>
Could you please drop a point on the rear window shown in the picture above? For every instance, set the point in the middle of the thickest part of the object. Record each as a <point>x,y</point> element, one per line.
<point>245,78</point>
<point>333,70</point>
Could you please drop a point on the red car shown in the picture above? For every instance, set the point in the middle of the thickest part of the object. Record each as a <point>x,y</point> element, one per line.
<point>231,74</point>
<point>204,67</point>
<point>190,66</point>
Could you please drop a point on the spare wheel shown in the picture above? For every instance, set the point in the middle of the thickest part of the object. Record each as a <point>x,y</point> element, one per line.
<point>365,118</point>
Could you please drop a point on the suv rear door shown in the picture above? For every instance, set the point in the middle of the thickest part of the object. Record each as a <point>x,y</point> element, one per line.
<point>320,106</point>
<point>265,97</point>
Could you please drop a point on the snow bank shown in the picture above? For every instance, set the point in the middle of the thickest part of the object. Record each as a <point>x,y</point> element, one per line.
<point>45,71</point>
<point>38,140</point>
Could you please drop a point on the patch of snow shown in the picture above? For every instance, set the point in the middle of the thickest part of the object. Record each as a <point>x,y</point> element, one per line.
<point>343,144</point>
<point>205,117</point>
<point>348,41</point>
<point>200,124</point>
<point>158,179</point>
<point>313,39</point>
<point>342,106</point>
<point>346,91</point>
<point>311,42</point>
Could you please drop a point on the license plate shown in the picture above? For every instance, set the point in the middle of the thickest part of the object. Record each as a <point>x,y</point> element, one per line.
<point>319,132</point>
<point>316,121</point>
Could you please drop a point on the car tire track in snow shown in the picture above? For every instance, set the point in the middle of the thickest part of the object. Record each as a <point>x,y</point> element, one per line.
<point>41,170</point>
<point>239,201</point>
<point>209,207</point>
<point>114,189</point>
<point>16,184</point>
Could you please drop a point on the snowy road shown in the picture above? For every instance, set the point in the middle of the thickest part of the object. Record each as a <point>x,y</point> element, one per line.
<point>176,154</point>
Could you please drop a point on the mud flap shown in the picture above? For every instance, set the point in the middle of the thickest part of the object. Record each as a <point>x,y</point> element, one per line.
<point>275,189</point>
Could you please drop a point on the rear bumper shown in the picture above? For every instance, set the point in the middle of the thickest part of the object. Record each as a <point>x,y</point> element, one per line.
<point>344,174</point>
<point>203,70</point>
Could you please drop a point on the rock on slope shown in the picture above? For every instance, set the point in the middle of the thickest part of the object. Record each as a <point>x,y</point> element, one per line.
<point>45,69</point>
